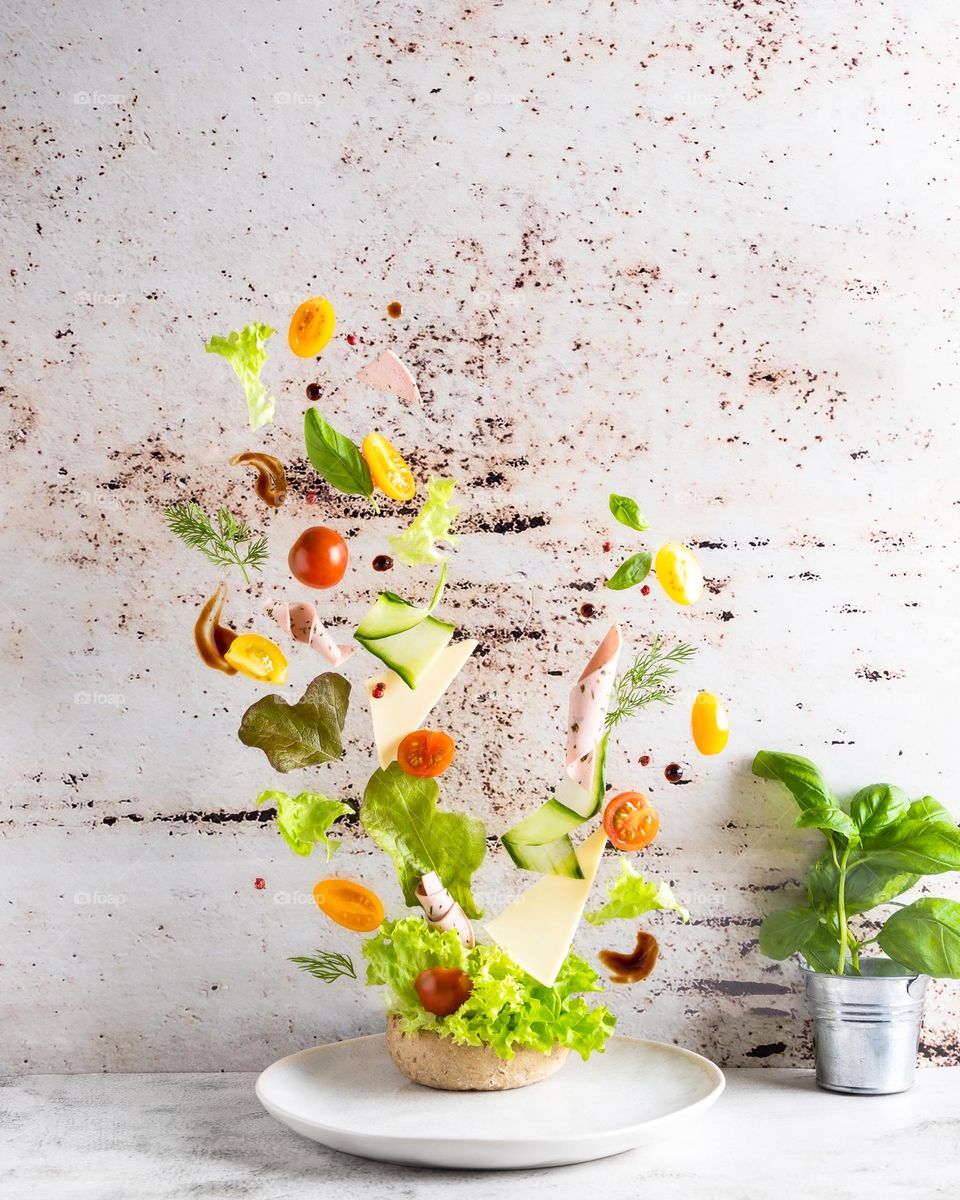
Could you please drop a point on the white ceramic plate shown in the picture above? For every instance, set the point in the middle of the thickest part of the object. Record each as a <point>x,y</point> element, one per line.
<point>349,1095</point>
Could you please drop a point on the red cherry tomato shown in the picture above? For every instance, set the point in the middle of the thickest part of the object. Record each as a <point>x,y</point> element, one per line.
<point>426,753</point>
<point>631,821</point>
<point>318,558</point>
<point>442,990</point>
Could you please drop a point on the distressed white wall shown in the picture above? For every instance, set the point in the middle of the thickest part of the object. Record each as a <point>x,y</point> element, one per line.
<point>703,253</point>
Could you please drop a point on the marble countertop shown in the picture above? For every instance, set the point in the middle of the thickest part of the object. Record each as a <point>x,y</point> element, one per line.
<point>170,1136</point>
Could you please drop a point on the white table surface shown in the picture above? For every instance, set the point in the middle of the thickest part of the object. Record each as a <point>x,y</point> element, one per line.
<point>173,1136</point>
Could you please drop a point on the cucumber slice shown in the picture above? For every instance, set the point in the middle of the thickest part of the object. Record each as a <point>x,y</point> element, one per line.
<point>405,638</point>
<point>541,842</point>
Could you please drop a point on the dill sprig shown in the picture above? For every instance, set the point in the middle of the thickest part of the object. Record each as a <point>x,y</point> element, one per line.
<point>328,965</point>
<point>645,681</point>
<point>220,542</point>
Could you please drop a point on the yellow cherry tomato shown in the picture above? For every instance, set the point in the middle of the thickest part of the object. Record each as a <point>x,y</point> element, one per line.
<point>679,573</point>
<point>349,904</point>
<point>387,469</point>
<point>258,657</point>
<point>709,723</point>
<point>312,327</point>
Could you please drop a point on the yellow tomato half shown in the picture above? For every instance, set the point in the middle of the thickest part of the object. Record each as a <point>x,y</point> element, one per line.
<point>387,469</point>
<point>709,723</point>
<point>258,657</point>
<point>679,573</point>
<point>312,327</point>
<point>349,904</point>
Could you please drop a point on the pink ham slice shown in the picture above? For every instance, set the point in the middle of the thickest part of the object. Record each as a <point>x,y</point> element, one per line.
<point>390,375</point>
<point>302,623</point>
<point>589,698</point>
<point>442,911</point>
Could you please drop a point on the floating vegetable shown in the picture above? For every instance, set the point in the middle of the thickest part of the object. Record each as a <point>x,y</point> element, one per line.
<point>631,821</point>
<point>245,350</point>
<point>709,723</point>
<point>400,814</point>
<point>646,681</point>
<point>303,624</point>
<point>304,820</point>
<point>628,513</point>
<point>406,638</point>
<point>679,573</point>
<point>637,965</point>
<point>390,375</point>
<point>311,327</point>
<point>212,638</point>
<point>318,558</point>
<point>349,904</point>
<point>442,990</point>
<point>417,545</point>
<point>426,753</point>
<point>271,485</point>
<point>257,657</point>
<point>541,841</point>
<point>388,470</point>
<point>326,965</point>
<point>630,573</point>
<point>304,734</point>
<point>221,544</point>
<point>442,911</point>
<point>632,895</point>
<point>334,456</point>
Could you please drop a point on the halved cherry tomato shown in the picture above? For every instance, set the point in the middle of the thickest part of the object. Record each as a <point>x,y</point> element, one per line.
<point>318,558</point>
<point>630,821</point>
<point>442,990</point>
<point>311,327</point>
<point>679,573</point>
<point>387,469</point>
<point>258,657</point>
<point>349,904</point>
<point>426,753</point>
<point>709,723</point>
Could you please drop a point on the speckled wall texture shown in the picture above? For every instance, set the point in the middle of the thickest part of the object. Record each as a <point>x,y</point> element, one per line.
<point>703,253</point>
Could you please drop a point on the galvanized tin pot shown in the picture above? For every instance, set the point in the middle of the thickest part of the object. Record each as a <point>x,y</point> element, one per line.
<point>866,1028</point>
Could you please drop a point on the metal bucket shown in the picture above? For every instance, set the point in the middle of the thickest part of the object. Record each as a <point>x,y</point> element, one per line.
<point>866,1028</point>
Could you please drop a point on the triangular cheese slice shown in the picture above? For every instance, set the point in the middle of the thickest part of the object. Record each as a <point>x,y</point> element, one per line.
<point>399,709</point>
<point>538,927</point>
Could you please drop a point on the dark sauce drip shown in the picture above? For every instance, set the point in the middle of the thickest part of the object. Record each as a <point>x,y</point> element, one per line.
<point>213,639</point>
<point>394,309</point>
<point>587,611</point>
<point>383,562</point>
<point>271,485</point>
<point>632,967</point>
<point>673,772</point>
<point>313,391</point>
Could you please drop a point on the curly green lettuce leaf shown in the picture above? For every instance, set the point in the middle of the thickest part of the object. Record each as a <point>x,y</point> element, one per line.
<point>417,545</point>
<point>305,819</point>
<point>400,813</point>
<point>632,895</point>
<point>246,351</point>
<point>507,1009</point>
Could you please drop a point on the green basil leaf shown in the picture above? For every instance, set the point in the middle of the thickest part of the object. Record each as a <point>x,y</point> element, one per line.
<point>628,512</point>
<point>868,882</point>
<point>925,937</point>
<point>806,784</point>
<point>400,813</point>
<point>876,807</point>
<point>827,816</point>
<point>822,949</point>
<point>786,932</point>
<point>336,457</point>
<point>304,734</point>
<point>924,841</point>
<point>630,573</point>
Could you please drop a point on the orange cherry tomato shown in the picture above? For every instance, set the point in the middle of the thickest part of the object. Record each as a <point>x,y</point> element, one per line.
<point>387,469</point>
<point>312,327</point>
<point>630,821</point>
<point>349,904</point>
<point>318,558</point>
<point>426,753</point>
<point>442,990</point>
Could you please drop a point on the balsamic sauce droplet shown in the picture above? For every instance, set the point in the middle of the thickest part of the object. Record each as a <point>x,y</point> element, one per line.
<point>383,562</point>
<point>673,772</point>
<point>587,611</point>
<point>313,391</point>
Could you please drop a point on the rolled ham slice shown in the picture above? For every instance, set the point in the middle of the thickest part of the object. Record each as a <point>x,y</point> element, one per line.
<point>390,375</point>
<point>302,623</point>
<point>442,911</point>
<point>587,711</point>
